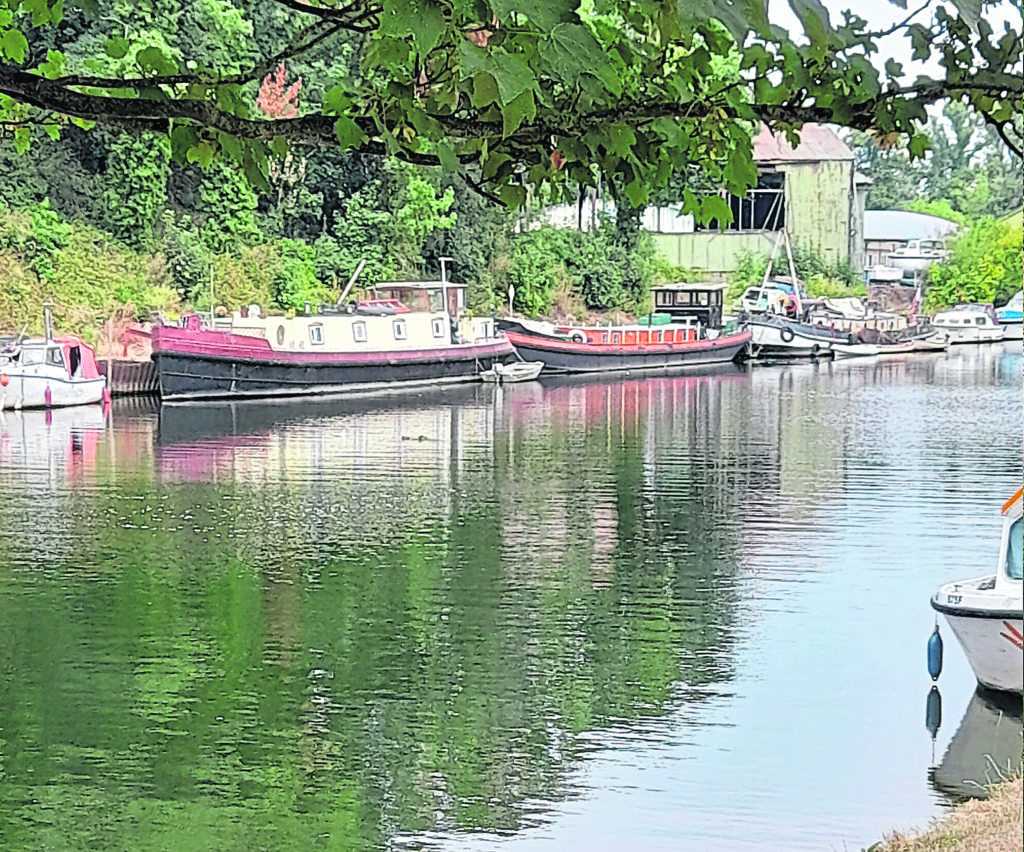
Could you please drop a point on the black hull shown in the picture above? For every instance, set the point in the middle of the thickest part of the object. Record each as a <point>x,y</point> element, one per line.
<point>188,376</point>
<point>650,362</point>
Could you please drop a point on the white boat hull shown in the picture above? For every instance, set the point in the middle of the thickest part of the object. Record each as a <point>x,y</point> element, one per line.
<point>854,350</point>
<point>523,371</point>
<point>30,391</point>
<point>910,263</point>
<point>971,334</point>
<point>1012,330</point>
<point>784,341</point>
<point>990,629</point>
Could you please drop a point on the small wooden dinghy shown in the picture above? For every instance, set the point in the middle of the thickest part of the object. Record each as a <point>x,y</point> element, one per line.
<point>518,371</point>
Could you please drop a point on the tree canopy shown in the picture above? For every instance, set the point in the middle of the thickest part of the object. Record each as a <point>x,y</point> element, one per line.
<point>510,95</point>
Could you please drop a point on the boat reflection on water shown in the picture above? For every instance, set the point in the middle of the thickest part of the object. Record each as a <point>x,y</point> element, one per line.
<point>48,448</point>
<point>298,439</point>
<point>985,749</point>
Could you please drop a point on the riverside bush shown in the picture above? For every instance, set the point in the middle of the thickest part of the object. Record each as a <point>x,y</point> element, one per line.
<point>593,265</point>
<point>984,265</point>
<point>295,280</point>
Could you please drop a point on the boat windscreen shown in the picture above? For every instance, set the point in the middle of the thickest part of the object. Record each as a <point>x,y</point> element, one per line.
<point>1015,551</point>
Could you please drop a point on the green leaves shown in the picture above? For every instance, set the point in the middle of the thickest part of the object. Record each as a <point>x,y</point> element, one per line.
<point>14,45</point>
<point>348,133</point>
<point>512,75</point>
<point>521,108</point>
<point>430,26</point>
<point>202,153</point>
<point>153,60</point>
<point>117,47</point>
<point>545,14</point>
<point>571,51</point>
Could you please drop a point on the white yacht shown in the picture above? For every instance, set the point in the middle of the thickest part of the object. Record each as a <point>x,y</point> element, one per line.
<point>986,612</point>
<point>49,372</point>
<point>918,255</point>
<point>969,324</point>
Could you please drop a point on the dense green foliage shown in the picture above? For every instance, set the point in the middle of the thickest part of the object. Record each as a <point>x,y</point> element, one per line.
<point>966,173</point>
<point>985,265</point>
<point>199,171</point>
<point>545,93</point>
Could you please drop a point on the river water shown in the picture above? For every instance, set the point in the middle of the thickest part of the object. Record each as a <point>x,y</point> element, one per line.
<point>683,613</point>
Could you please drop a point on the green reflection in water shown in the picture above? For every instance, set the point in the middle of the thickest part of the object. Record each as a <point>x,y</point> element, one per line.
<point>313,652</point>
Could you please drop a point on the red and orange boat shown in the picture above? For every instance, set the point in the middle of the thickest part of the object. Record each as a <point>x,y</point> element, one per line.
<point>597,349</point>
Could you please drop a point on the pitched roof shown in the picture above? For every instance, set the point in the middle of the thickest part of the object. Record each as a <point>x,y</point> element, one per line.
<point>817,142</point>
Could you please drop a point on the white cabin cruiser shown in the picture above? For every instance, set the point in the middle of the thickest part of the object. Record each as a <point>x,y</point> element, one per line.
<point>918,255</point>
<point>985,613</point>
<point>969,324</point>
<point>47,372</point>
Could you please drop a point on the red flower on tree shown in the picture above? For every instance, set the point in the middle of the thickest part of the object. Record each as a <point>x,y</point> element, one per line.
<point>276,100</point>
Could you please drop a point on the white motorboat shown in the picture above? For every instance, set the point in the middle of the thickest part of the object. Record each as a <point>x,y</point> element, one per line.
<point>885,274</point>
<point>986,613</point>
<point>1010,316</point>
<point>969,324</point>
<point>918,255</point>
<point>49,372</point>
<point>517,371</point>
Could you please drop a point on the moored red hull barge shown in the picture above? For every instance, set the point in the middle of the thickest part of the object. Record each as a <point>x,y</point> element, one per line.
<point>566,356</point>
<point>205,365</point>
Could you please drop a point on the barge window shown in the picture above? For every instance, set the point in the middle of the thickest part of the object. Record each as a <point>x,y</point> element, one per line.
<point>359,332</point>
<point>398,326</point>
<point>616,337</point>
<point>32,356</point>
<point>316,333</point>
<point>437,326</point>
<point>1015,551</point>
<point>53,357</point>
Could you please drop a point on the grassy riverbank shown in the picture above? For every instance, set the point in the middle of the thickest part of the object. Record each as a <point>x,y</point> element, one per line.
<point>994,824</point>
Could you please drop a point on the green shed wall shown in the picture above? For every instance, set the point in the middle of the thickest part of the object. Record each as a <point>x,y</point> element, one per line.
<point>819,213</point>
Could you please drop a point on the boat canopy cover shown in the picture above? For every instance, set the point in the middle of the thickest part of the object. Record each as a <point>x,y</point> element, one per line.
<point>86,356</point>
<point>849,308</point>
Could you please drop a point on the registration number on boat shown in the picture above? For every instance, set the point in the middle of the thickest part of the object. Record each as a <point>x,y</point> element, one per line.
<point>954,599</point>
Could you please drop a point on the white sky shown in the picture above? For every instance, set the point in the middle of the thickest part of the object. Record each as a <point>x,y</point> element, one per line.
<point>881,14</point>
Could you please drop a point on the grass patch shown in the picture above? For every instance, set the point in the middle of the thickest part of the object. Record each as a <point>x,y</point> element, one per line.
<point>980,825</point>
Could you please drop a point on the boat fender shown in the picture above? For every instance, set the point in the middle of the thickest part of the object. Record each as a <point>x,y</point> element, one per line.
<point>815,349</point>
<point>578,337</point>
<point>933,711</point>
<point>935,654</point>
<point>786,334</point>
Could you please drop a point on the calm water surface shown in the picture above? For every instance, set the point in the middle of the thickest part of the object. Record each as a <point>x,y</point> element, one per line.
<point>682,613</point>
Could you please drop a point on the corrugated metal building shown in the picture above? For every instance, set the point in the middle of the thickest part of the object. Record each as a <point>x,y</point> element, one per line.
<point>813,191</point>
